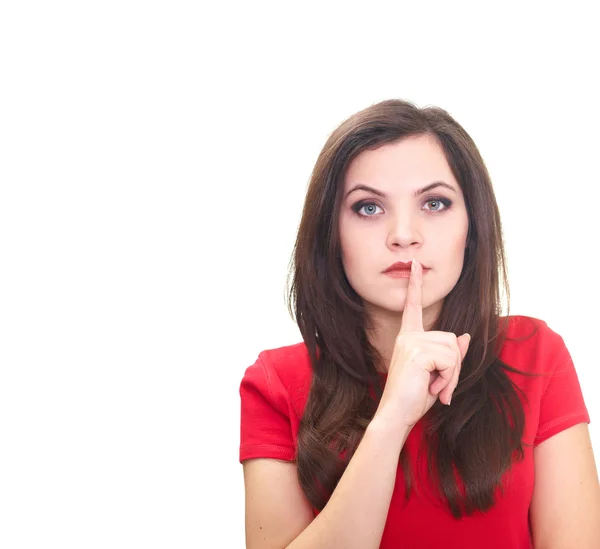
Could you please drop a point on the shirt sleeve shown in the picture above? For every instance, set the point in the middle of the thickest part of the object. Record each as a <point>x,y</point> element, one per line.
<point>265,423</point>
<point>562,404</point>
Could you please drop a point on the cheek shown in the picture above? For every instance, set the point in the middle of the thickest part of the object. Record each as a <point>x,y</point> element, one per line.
<point>449,250</point>
<point>356,248</point>
<point>348,239</point>
<point>350,254</point>
<point>455,236</point>
<point>457,250</point>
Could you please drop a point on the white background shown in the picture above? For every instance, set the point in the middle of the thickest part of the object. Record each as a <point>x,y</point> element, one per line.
<point>153,163</point>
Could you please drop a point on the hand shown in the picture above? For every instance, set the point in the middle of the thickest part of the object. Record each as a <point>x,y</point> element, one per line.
<point>425,366</point>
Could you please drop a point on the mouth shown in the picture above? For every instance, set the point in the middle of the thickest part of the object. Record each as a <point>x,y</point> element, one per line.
<point>402,268</point>
<point>403,273</point>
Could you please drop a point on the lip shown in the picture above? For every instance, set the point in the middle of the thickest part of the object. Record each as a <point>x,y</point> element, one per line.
<point>402,267</point>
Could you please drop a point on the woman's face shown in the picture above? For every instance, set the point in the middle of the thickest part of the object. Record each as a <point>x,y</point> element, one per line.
<point>392,223</point>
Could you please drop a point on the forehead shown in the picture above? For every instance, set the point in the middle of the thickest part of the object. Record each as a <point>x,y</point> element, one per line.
<point>413,162</point>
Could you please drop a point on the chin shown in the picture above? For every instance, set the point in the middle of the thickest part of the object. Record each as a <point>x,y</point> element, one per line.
<point>385,307</point>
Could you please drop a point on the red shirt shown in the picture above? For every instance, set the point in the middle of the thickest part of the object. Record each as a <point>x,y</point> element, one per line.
<point>275,388</point>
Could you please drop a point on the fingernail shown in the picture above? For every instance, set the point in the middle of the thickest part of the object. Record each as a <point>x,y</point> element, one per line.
<point>413,266</point>
<point>449,401</point>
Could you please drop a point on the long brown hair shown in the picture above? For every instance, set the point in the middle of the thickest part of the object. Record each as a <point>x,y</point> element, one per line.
<point>480,434</point>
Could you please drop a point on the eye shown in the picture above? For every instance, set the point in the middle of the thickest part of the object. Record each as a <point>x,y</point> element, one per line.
<point>369,207</point>
<point>440,204</point>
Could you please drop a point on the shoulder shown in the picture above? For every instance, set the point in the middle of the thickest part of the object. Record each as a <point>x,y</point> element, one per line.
<point>290,364</point>
<point>283,372</point>
<point>546,376</point>
<point>521,326</point>
<point>531,344</point>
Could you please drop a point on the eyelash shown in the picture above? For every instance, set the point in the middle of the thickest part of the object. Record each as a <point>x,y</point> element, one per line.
<point>359,205</point>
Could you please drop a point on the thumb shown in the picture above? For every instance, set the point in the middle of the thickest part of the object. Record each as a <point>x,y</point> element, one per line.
<point>463,345</point>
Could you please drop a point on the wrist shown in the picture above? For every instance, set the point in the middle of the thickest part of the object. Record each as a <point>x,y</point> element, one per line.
<point>390,423</point>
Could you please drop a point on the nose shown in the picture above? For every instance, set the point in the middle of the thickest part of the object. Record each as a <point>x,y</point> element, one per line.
<point>404,232</point>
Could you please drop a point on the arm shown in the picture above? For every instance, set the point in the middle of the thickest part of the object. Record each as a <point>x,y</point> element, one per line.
<point>565,509</point>
<point>278,515</point>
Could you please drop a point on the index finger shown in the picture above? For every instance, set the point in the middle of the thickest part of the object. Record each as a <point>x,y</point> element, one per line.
<point>412,316</point>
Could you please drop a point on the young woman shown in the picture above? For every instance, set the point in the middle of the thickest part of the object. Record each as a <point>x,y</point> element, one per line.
<point>412,415</point>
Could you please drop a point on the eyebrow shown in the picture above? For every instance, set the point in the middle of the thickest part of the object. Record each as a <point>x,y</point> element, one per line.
<point>418,192</point>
